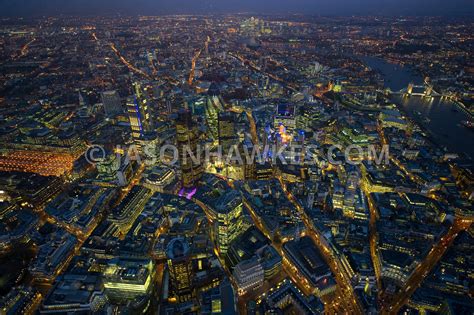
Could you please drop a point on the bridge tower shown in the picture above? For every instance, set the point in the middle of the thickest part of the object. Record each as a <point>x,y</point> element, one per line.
<point>428,90</point>
<point>410,88</point>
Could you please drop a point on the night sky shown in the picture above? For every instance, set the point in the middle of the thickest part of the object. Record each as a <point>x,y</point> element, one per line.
<point>323,7</point>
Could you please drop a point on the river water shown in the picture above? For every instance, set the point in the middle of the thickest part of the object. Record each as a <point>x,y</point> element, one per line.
<point>440,117</point>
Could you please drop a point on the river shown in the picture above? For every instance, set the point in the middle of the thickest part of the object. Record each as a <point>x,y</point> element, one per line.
<point>440,117</point>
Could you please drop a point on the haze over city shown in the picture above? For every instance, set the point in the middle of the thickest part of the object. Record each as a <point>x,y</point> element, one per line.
<point>321,7</point>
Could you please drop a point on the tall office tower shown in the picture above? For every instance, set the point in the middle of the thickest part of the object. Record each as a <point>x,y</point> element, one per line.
<point>169,109</point>
<point>206,46</point>
<point>82,100</point>
<point>139,113</point>
<point>230,220</point>
<point>249,161</point>
<point>350,194</point>
<point>180,269</point>
<point>214,105</point>
<point>187,138</point>
<point>112,103</point>
<point>135,117</point>
<point>226,131</point>
<point>141,104</point>
<point>107,167</point>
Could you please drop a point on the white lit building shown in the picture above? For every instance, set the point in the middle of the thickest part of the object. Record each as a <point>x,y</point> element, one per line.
<point>248,274</point>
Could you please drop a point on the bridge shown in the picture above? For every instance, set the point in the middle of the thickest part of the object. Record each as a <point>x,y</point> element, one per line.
<point>423,90</point>
<point>427,91</point>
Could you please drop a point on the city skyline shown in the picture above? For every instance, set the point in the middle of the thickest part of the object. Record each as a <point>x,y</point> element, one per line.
<point>456,8</point>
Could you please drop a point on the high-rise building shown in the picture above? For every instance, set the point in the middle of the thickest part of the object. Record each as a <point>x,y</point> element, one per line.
<point>82,100</point>
<point>112,103</point>
<point>126,279</point>
<point>248,275</point>
<point>230,220</point>
<point>338,197</point>
<point>108,166</point>
<point>214,105</point>
<point>135,117</point>
<point>350,194</point>
<point>187,137</point>
<point>226,131</point>
<point>180,269</point>
<point>139,113</point>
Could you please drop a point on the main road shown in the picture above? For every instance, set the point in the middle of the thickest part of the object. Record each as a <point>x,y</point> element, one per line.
<point>127,63</point>
<point>289,86</point>
<point>434,256</point>
<point>348,297</point>
<point>301,281</point>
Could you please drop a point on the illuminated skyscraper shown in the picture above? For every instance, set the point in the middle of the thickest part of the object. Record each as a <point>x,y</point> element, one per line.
<point>214,106</point>
<point>180,269</point>
<point>136,121</point>
<point>226,130</point>
<point>112,103</point>
<point>230,221</point>
<point>139,113</point>
<point>187,137</point>
<point>107,167</point>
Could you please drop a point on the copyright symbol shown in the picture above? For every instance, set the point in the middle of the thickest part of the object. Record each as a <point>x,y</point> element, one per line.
<point>94,154</point>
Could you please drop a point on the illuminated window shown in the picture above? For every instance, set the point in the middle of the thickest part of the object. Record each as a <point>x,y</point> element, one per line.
<point>216,306</point>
